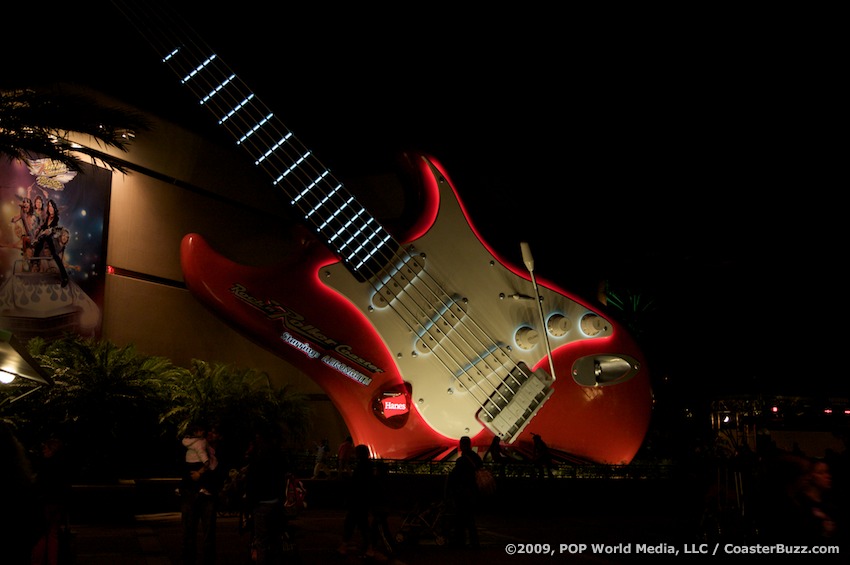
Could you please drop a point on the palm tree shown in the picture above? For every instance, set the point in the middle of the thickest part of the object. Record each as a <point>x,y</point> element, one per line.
<point>37,123</point>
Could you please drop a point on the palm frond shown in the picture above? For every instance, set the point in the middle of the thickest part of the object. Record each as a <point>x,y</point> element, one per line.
<point>39,123</point>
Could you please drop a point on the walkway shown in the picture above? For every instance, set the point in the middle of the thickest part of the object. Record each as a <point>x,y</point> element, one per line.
<point>524,512</point>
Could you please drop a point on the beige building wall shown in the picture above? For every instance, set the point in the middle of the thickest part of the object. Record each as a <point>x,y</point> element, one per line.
<point>181,184</point>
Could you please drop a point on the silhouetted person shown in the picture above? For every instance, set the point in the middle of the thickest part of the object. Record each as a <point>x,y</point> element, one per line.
<point>20,517</point>
<point>53,485</point>
<point>541,457</point>
<point>198,497</point>
<point>320,469</point>
<point>344,454</point>
<point>818,514</point>
<point>381,537</point>
<point>797,504</point>
<point>359,500</point>
<point>495,454</point>
<point>265,491</point>
<point>462,495</point>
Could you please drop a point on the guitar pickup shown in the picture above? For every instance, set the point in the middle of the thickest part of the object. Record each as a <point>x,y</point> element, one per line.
<point>438,326</point>
<point>396,282</point>
<point>515,402</point>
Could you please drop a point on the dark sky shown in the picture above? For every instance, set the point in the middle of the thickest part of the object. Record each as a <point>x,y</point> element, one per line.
<point>687,162</point>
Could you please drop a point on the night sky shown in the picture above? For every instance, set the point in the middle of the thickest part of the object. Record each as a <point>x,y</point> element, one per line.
<point>687,164</point>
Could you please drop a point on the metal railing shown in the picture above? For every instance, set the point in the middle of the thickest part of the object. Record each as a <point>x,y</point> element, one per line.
<point>304,464</point>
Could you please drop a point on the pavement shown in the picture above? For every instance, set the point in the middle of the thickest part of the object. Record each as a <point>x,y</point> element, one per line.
<point>155,539</point>
<point>527,521</point>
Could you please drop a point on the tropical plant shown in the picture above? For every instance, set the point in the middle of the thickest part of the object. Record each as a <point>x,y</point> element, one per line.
<point>37,123</point>
<point>238,401</point>
<point>105,403</point>
<point>122,413</point>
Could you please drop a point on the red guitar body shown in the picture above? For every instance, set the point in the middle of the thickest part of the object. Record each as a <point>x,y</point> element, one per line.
<point>311,312</point>
<point>418,339</point>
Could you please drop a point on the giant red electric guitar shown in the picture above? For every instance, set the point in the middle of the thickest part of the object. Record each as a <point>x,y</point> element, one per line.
<point>416,342</point>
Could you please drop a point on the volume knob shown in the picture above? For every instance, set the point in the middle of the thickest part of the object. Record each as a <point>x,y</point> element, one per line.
<point>558,325</point>
<point>526,338</point>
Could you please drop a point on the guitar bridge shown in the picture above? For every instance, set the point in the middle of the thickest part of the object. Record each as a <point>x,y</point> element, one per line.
<point>515,402</point>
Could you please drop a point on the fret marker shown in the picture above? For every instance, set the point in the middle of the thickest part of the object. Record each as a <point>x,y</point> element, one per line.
<point>260,124</point>
<point>236,108</point>
<point>217,89</point>
<point>198,69</point>
<point>273,148</point>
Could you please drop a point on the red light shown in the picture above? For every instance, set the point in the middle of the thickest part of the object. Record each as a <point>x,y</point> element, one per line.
<point>774,409</point>
<point>394,406</point>
<point>110,270</point>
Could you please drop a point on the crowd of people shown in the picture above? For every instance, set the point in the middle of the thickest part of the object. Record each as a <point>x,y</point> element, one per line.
<point>269,489</point>
<point>797,502</point>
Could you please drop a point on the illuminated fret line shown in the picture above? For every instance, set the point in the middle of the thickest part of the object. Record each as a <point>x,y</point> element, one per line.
<point>310,186</point>
<point>198,69</point>
<point>273,148</point>
<point>346,225</point>
<point>253,130</point>
<point>170,55</point>
<point>357,232</point>
<point>217,89</point>
<point>377,247</point>
<point>375,233</point>
<point>322,202</point>
<point>236,109</point>
<point>334,215</point>
<point>369,238</point>
<point>292,168</point>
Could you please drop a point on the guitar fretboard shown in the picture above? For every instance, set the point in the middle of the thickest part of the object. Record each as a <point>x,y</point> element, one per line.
<point>507,393</point>
<point>324,204</point>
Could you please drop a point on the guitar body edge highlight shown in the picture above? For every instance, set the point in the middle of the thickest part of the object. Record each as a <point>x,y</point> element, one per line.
<point>392,392</point>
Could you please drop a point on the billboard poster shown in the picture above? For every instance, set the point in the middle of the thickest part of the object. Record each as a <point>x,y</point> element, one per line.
<point>52,248</point>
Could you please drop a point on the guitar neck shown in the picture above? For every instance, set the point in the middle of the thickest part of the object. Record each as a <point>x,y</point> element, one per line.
<point>322,201</point>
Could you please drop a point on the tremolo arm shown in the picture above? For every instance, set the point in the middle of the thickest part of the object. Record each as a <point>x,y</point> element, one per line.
<point>507,394</point>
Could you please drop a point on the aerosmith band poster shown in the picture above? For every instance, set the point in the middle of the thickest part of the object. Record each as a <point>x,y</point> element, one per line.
<point>52,248</point>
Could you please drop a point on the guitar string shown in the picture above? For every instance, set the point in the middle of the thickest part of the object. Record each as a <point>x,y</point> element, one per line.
<point>235,133</point>
<point>261,131</point>
<point>344,225</point>
<point>466,357</point>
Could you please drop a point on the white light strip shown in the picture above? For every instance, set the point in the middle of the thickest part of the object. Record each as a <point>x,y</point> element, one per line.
<point>368,238</point>
<point>360,264</point>
<point>325,199</point>
<point>357,232</point>
<point>236,109</point>
<point>273,148</point>
<point>310,187</point>
<point>335,214</point>
<point>260,124</point>
<point>198,69</point>
<point>170,55</point>
<point>218,88</point>
<point>292,168</point>
<point>347,224</point>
